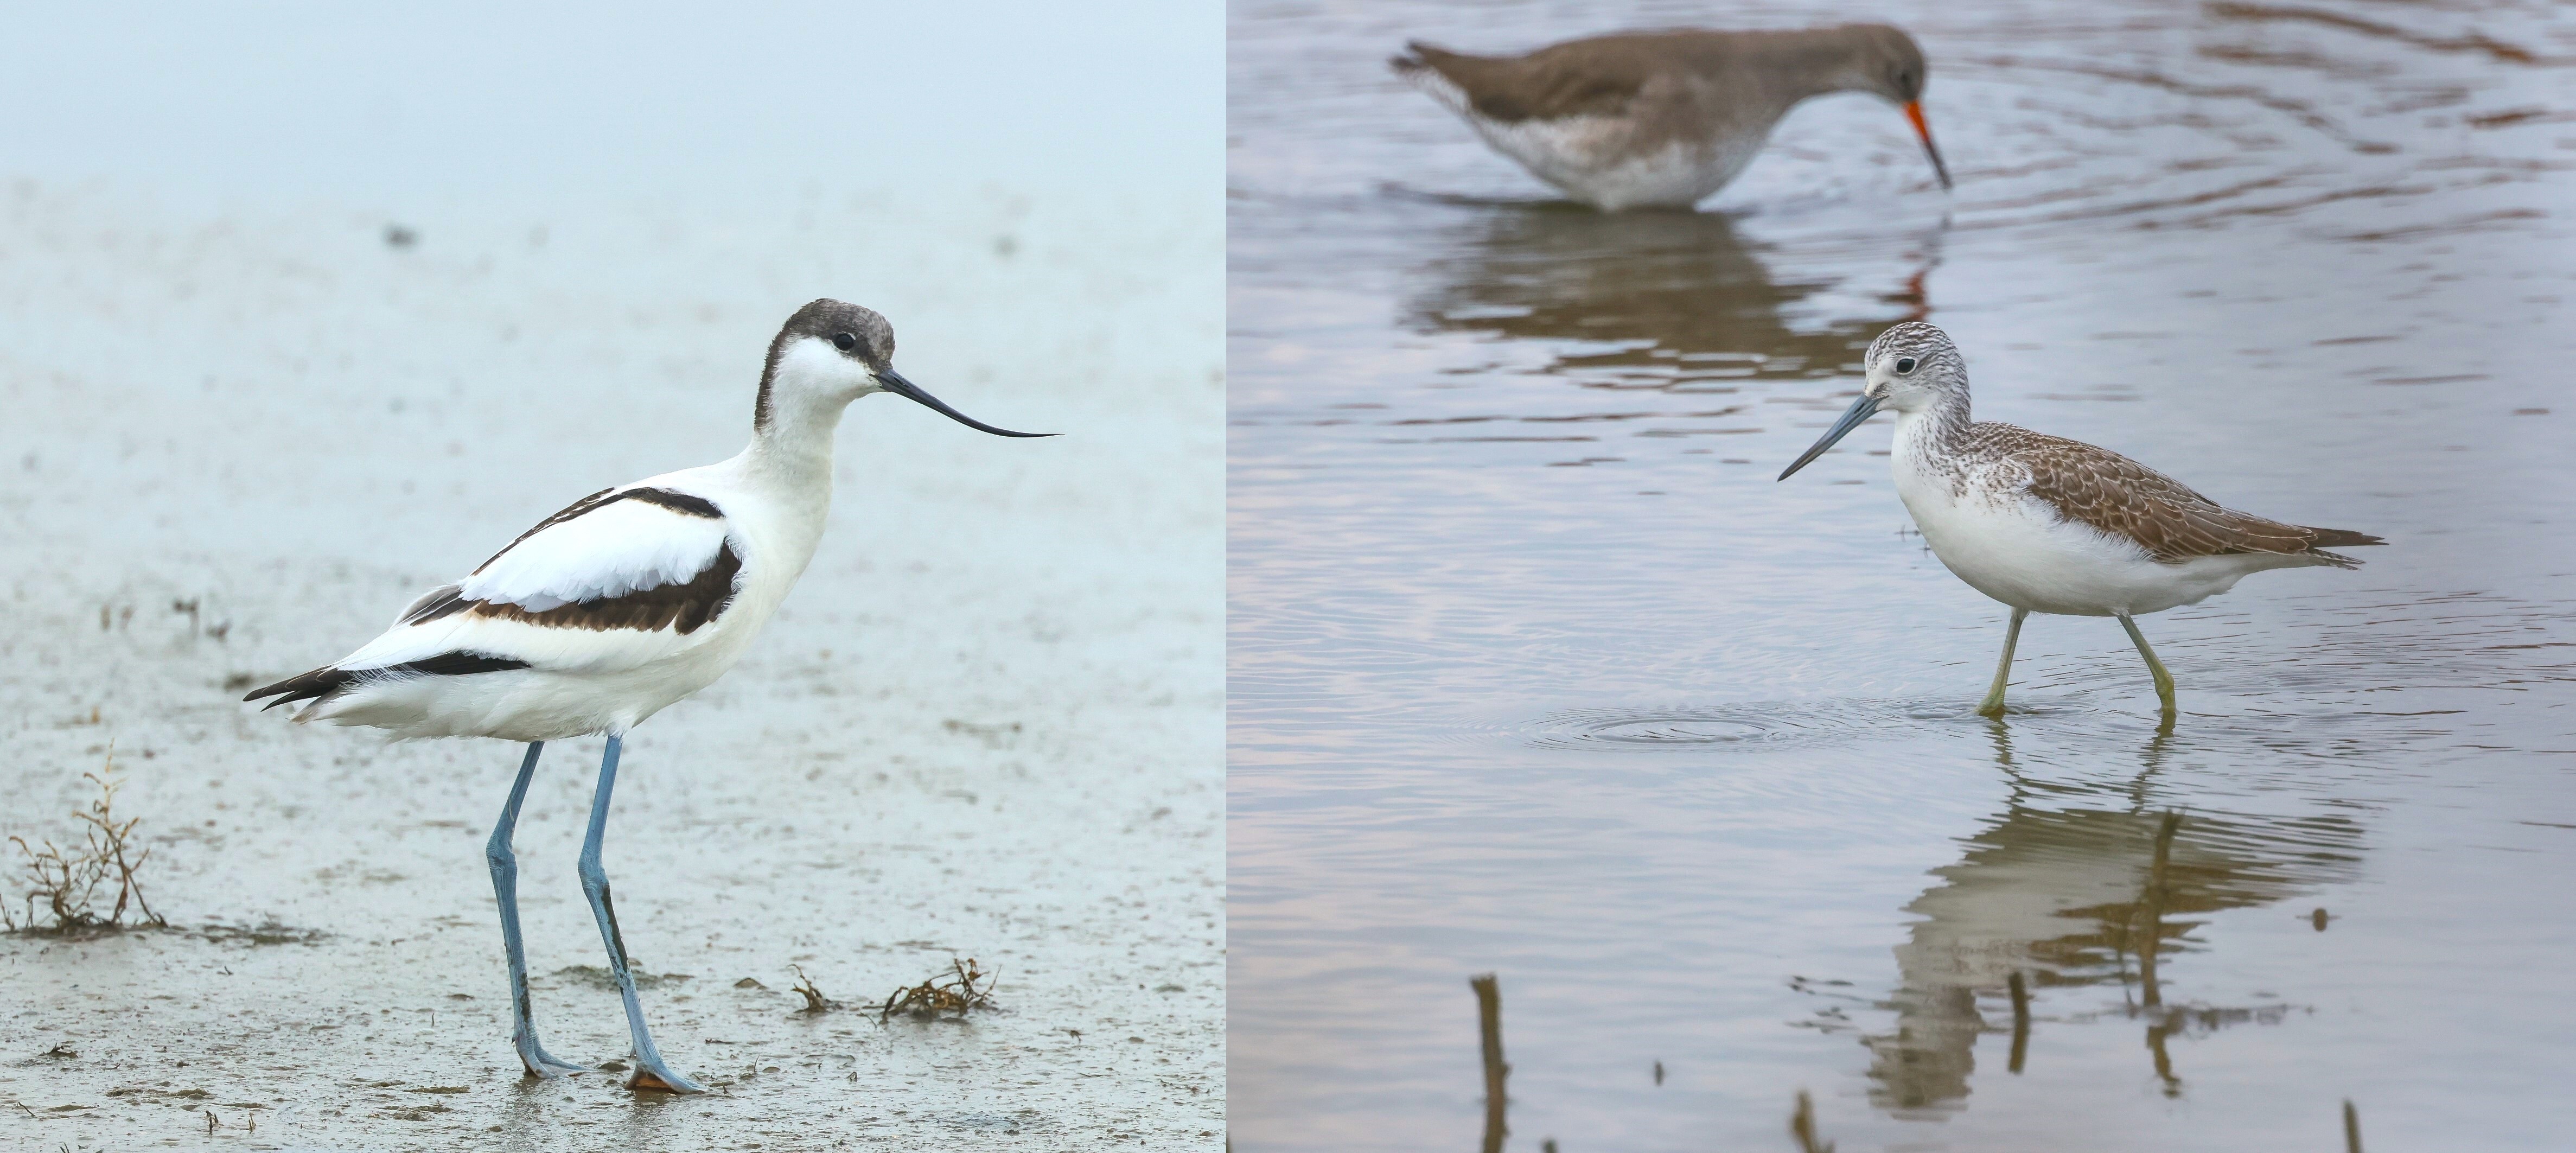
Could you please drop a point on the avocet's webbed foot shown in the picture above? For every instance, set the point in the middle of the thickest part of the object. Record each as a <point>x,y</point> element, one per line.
<point>544,1064</point>
<point>652,1075</point>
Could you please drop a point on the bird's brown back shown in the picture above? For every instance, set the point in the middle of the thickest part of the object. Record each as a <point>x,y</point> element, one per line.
<point>1602,75</point>
<point>2119,496</point>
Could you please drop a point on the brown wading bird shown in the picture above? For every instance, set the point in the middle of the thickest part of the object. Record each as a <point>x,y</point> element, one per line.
<point>1663,119</point>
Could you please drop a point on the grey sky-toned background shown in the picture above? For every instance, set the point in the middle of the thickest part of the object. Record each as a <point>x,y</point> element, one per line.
<point>425,100</point>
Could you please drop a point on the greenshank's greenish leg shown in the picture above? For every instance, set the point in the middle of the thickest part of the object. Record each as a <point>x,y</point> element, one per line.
<point>2164,680</point>
<point>1993,705</point>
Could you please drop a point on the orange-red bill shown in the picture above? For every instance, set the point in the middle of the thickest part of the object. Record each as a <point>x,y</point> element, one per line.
<point>1914,112</point>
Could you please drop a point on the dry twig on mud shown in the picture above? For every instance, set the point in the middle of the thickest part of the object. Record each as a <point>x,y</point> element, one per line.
<point>962,988</point>
<point>815,1001</point>
<point>67,880</point>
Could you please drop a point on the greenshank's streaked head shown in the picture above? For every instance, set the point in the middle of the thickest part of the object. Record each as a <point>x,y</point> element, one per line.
<point>1912,367</point>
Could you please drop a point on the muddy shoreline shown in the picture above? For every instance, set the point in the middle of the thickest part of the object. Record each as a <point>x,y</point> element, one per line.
<point>985,725</point>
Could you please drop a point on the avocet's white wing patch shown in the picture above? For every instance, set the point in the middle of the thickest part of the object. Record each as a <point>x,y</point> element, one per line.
<point>614,549</point>
<point>619,580</point>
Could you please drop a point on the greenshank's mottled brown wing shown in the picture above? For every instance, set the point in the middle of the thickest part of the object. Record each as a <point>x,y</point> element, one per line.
<point>2119,496</point>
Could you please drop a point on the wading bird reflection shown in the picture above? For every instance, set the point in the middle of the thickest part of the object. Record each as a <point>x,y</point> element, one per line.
<point>2084,879</point>
<point>1647,298</point>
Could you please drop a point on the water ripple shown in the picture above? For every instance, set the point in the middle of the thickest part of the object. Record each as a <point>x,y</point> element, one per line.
<point>1766,725</point>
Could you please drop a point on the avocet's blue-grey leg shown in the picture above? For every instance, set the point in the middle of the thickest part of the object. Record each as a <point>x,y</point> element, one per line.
<point>650,1070</point>
<point>505,885</point>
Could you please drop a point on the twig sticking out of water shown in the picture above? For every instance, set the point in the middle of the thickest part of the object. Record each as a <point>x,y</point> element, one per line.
<point>815,1001</point>
<point>2351,1127</point>
<point>67,880</point>
<point>2021,1020</point>
<point>1489,1025</point>
<point>1802,1125</point>
<point>963,988</point>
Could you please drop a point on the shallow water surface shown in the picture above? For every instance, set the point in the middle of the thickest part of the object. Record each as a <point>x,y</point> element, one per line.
<point>1536,671</point>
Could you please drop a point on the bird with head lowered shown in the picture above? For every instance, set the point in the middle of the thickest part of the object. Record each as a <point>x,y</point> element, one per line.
<point>1664,119</point>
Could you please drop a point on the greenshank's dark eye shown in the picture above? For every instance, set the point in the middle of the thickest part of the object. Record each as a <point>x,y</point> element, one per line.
<point>1904,364</point>
<point>844,341</point>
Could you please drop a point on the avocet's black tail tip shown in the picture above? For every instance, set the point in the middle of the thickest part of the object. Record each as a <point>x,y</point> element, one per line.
<point>302,686</point>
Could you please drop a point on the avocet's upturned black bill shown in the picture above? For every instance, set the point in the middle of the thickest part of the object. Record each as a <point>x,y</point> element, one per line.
<point>1860,411</point>
<point>614,608</point>
<point>896,384</point>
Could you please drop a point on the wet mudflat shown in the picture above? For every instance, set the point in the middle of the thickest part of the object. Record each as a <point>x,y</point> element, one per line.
<point>985,724</point>
<point>1535,671</point>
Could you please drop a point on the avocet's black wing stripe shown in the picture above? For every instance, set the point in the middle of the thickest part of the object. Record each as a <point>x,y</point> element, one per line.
<point>683,607</point>
<point>329,679</point>
<point>619,580</point>
<point>683,503</point>
<point>568,512</point>
<point>632,541</point>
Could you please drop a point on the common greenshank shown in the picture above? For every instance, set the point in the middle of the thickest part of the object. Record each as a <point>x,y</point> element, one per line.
<point>2050,525</point>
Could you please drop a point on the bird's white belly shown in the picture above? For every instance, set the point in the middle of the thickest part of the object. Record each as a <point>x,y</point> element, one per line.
<point>1591,159</point>
<point>527,704</point>
<point>2017,550</point>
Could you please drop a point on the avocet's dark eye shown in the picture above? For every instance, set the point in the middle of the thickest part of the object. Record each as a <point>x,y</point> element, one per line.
<point>1904,364</point>
<point>844,341</point>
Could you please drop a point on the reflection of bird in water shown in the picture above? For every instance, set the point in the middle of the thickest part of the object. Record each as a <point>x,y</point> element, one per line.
<point>1688,298</point>
<point>2087,890</point>
<point>1663,119</point>
<point>2050,525</point>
